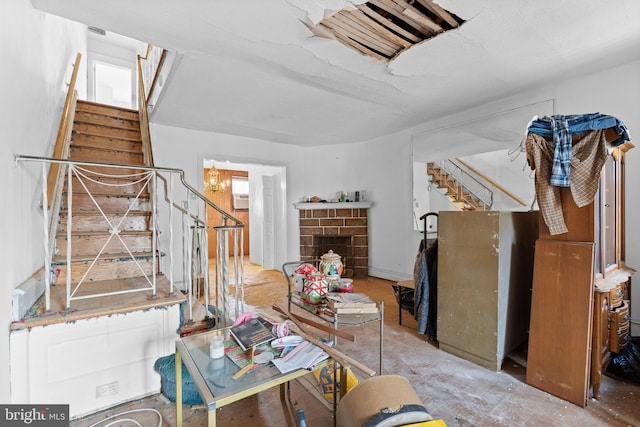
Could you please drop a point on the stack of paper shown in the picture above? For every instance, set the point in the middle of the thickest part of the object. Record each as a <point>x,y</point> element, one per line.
<point>304,356</point>
<point>348,303</point>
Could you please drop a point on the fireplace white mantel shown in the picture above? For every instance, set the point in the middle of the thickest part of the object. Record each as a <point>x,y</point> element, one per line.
<point>332,205</point>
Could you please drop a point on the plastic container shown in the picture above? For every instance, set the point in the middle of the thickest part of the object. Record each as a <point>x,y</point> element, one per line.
<point>345,285</point>
<point>216,347</point>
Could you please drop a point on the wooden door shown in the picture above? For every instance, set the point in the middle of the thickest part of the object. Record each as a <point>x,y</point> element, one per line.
<point>559,354</point>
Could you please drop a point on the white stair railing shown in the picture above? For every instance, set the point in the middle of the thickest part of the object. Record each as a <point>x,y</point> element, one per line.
<point>467,180</point>
<point>165,202</point>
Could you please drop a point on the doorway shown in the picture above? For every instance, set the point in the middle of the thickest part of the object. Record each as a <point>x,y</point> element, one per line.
<point>265,231</point>
<point>111,84</point>
<point>227,200</point>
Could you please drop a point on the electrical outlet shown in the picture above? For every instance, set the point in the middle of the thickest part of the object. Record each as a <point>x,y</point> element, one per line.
<point>108,389</point>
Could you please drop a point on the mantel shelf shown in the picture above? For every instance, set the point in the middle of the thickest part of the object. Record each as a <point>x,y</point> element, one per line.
<point>337,205</point>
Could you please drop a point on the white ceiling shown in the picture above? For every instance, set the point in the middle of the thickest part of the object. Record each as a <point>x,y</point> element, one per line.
<point>253,68</point>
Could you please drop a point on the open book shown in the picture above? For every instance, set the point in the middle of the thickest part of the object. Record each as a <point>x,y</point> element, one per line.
<point>305,356</point>
<point>253,332</point>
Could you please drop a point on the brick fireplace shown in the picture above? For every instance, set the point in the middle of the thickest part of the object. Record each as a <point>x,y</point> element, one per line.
<point>341,227</point>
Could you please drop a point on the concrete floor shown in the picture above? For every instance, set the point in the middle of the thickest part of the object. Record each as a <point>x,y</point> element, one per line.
<point>457,391</point>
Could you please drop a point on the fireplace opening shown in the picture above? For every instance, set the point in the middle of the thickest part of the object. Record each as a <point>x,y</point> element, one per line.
<point>341,245</point>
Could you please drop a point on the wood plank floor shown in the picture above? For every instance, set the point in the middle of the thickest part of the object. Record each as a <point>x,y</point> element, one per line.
<point>454,390</point>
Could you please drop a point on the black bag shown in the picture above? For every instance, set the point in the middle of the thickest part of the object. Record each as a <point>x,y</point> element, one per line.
<point>626,364</point>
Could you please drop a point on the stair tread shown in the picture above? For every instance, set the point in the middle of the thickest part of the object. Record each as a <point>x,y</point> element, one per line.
<point>90,105</point>
<point>89,213</point>
<point>82,192</point>
<point>106,233</point>
<point>137,150</point>
<point>122,256</point>
<point>105,131</point>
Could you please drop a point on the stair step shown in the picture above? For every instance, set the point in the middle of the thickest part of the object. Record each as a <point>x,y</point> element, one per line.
<point>104,185</point>
<point>107,202</point>
<point>92,154</point>
<point>117,266</point>
<point>106,131</point>
<point>86,140</point>
<point>113,171</point>
<point>93,221</point>
<point>104,120</point>
<point>106,110</point>
<point>91,243</point>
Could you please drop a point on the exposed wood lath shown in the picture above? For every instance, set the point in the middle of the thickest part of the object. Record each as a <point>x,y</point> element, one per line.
<point>385,28</point>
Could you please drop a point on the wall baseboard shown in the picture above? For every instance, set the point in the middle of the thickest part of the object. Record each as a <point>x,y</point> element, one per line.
<point>26,294</point>
<point>388,275</point>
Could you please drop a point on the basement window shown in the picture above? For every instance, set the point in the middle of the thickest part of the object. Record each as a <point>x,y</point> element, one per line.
<point>383,29</point>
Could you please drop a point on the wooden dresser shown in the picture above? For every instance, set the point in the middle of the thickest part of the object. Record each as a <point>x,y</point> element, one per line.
<point>610,325</point>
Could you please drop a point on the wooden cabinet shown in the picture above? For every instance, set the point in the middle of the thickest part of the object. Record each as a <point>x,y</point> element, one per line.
<point>485,263</point>
<point>610,326</point>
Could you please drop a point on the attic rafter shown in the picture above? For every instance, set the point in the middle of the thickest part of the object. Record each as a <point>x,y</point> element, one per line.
<point>383,29</point>
<point>440,12</point>
<point>389,24</point>
<point>367,31</point>
<point>360,15</point>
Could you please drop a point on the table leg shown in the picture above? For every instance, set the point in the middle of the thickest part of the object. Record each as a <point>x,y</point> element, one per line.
<point>382,336</point>
<point>178,389</point>
<point>212,418</point>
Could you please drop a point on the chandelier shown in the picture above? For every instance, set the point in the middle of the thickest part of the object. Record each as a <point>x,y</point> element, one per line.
<point>213,182</point>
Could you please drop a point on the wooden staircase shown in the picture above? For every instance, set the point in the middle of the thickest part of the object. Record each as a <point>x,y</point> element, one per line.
<point>456,192</point>
<point>107,210</point>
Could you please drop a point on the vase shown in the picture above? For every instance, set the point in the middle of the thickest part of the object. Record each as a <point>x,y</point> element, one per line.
<point>331,264</point>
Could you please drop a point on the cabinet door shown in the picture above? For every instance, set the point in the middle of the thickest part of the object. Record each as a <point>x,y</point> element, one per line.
<point>559,351</point>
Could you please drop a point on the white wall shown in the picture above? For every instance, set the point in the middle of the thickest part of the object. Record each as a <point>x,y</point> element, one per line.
<point>185,149</point>
<point>65,363</point>
<point>37,52</point>
<point>383,168</point>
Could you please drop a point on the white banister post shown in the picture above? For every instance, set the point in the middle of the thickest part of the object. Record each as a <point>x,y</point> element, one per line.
<point>69,226</point>
<point>47,256</point>
<point>171,248</point>
<point>154,221</point>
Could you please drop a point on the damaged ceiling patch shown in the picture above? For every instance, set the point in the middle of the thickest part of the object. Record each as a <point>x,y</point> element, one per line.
<point>383,29</point>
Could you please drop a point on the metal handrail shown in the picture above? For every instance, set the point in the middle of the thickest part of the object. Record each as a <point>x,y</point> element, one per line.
<point>491,182</point>
<point>444,165</point>
<point>180,172</point>
<point>230,224</point>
